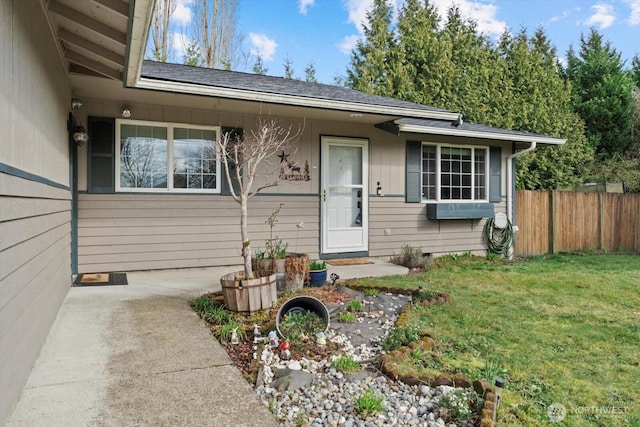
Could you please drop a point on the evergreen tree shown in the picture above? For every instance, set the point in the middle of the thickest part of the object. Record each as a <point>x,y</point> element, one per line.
<point>310,73</point>
<point>602,94</point>
<point>288,68</point>
<point>258,66</point>
<point>635,69</point>
<point>192,55</point>
<point>514,85</point>
<point>369,71</point>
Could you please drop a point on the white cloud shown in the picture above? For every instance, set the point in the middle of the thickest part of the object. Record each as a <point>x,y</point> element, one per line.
<point>262,46</point>
<point>482,12</point>
<point>347,44</point>
<point>634,17</point>
<point>357,12</point>
<point>564,15</point>
<point>183,14</point>
<point>179,42</point>
<point>603,16</point>
<point>303,5</point>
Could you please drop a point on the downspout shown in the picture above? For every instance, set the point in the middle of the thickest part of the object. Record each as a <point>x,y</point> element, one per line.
<point>510,177</point>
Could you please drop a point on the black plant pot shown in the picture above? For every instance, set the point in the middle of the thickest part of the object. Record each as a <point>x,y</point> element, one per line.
<point>303,304</point>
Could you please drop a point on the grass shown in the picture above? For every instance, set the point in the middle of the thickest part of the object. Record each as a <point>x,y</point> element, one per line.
<point>561,329</point>
<point>346,364</point>
<point>368,403</point>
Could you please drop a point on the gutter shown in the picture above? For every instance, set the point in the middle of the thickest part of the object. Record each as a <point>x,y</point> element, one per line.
<point>411,128</point>
<point>300,101</point>
<point>529,149</point>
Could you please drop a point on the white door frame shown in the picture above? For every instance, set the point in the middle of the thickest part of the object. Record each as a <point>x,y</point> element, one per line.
<point>353,238</point>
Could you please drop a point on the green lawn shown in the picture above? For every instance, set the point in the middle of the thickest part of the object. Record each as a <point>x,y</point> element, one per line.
<point>565,328</point>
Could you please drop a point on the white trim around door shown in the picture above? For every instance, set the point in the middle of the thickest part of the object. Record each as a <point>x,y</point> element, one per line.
<point>344,195</point>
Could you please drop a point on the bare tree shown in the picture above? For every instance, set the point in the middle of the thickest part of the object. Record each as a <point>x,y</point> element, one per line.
<point>243,159</point>
<point>216,34</point>
<point>160,21</point>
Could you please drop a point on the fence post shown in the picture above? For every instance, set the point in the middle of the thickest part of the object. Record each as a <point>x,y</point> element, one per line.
<point>552,219</point>
<point>601,222</point>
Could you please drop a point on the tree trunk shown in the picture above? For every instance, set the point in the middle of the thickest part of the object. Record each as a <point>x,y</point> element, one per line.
<point>246,243</point>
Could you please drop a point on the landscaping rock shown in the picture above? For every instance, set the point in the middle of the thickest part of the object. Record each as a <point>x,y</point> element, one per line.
<point>291,380</point>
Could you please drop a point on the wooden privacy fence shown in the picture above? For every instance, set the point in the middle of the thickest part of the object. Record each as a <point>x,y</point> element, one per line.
<point>557,221</point>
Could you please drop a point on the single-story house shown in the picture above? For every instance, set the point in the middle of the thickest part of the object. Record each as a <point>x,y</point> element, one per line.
<point>147,191</point>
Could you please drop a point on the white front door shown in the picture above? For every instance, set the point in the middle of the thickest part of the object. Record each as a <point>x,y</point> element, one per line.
<point>344,195</point>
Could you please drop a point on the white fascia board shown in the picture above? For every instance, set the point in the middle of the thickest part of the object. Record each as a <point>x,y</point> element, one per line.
<point>301,101</point>
<point>138,33</point>
<point>478,134</point>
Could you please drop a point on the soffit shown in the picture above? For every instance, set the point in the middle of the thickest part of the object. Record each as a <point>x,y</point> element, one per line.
<point>92,35</point>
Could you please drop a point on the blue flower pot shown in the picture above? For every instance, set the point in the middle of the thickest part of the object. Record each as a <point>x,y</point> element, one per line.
<point>317,278</point>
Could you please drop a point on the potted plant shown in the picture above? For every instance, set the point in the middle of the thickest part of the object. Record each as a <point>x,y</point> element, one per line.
<point>243,158</point>
<point>272,259</point>
<point>317,273</point>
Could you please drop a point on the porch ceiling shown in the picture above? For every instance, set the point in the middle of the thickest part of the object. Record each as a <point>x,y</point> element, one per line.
<point>103,38</point>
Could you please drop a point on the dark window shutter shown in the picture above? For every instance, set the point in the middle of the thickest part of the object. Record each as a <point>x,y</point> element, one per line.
<point>413,170</point>
<point>234,134</point>
<point>495,174</point>
<point>101,155</point>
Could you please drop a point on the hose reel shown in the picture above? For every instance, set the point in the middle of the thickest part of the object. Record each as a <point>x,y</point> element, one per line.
<point>498,233</point>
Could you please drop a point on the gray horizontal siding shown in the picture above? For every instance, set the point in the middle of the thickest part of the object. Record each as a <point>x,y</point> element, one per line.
<point>35,273</point>
<point>408,224</point>
<point>127,232</point>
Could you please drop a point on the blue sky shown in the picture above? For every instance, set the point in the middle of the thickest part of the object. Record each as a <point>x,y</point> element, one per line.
<point>325,31</point>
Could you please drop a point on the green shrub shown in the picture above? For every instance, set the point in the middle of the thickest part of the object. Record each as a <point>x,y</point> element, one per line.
<point>346,364</point>
<point>370,292</point>
<point>317,265</point>
<point>202,303</point>
<point>368,403</point>
<point>411,257</point>
<point>295,324</point>
<point>461,403</point>
<point>346,317</point>
<point>217,315</point>
<point>354,305</point>
<point>226,331</point>
<point>399,337</point>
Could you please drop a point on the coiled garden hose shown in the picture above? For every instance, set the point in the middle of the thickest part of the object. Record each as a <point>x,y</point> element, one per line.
<point>499,240</point>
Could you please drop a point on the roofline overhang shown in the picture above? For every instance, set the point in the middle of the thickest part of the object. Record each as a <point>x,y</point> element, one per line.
<point>140,13</point>
<point>299,101</point>
<point>539,139</point>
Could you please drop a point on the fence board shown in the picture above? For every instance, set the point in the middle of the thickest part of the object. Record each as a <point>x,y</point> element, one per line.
<point>532,215</point>
<point>565,221</point>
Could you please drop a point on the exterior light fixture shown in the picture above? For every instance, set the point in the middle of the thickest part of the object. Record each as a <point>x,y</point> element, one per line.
<point>379,190</point>
<point>80,135</point>
<point>77,104</point>
<point>499,386</point>
<point>125,111</point>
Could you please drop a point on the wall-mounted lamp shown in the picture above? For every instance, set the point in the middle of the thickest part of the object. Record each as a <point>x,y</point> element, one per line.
<point>80,135</point>
<point>77,104</point>
<point>125,111</point>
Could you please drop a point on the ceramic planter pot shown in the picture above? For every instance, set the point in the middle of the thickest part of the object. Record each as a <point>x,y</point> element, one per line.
<point>317,277</point>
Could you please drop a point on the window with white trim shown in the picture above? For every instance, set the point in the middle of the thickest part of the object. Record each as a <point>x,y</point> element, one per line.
<point>454,173</point>
<point>161,157</point>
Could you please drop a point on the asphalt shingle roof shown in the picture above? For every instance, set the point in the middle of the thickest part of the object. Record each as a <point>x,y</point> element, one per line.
<point>471,127</point>
<point>268,84</point>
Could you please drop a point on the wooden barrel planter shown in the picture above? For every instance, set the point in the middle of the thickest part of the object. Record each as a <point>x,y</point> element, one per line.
<point>248,295</point>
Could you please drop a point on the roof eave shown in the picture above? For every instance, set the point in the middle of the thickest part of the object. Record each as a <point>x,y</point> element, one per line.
<point>299,101</point>
<point>410,128</point>
<point>140,14</point>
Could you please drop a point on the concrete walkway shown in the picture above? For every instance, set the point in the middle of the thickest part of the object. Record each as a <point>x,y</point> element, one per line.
<point>138,355</point>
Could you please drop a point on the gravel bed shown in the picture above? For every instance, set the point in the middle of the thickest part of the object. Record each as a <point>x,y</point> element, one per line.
<point>311,393</point>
